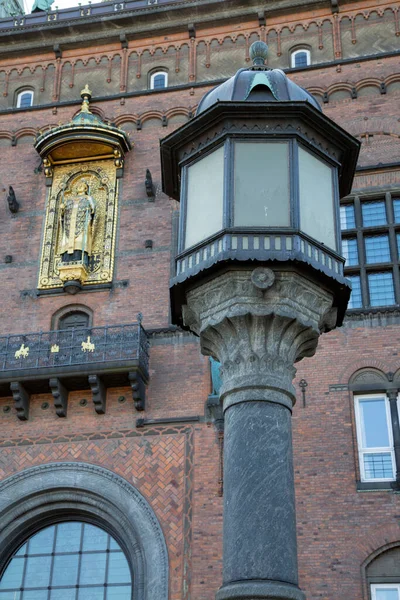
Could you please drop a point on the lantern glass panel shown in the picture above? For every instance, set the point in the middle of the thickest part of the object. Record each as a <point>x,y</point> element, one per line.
<point>205,194</point>
<point>261,184</point>
<point>317,209</point>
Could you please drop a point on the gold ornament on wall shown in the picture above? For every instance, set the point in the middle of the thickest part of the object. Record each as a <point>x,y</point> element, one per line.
<point>83,162</point>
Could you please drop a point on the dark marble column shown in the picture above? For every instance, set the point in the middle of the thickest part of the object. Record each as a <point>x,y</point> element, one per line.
<point>258,324</point>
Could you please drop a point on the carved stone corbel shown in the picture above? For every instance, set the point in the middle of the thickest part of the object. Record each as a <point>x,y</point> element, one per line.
<point>99,394</point>
<point>60,395</point>
<point>148,182</point>
<point>138,389</point>
<point>13,204</point>
<point>21,399</point>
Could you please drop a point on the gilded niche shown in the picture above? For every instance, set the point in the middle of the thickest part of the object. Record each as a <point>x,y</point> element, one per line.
<point>80,226</point>
<point>83,163</point>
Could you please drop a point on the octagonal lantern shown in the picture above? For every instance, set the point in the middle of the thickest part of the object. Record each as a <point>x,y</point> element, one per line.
<point>259,172</point>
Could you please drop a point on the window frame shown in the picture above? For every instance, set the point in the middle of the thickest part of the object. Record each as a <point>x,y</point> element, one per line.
<point>154,74</point>
<point>361,232</point>
<point>361,451</point>
<point>55,555</point>
<point>20,94</point>
<point>294,53</point>
<point>374,586</point>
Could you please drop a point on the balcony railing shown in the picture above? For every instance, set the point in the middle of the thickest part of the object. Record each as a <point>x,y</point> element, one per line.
<point>80,346</point>
<point>76,358</point>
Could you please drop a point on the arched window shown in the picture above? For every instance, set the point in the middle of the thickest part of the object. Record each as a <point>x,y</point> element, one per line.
<point>158,80</point>
<point>68,561</point>
<point>79,531</point>
<point>383,575</point>
<point>300,58</point>
<point>72,316</point>
<point>73,320</point>
<point>25,99</point>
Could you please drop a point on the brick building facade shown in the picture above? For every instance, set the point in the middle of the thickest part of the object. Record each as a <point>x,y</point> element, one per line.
<point>148,64</point>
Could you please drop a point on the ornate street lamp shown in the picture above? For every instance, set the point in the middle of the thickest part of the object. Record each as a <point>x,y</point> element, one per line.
<point>259,276</point>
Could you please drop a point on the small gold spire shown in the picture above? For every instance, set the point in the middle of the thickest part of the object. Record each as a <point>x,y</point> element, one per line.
<point>86,91</point>
<point>86,95</point>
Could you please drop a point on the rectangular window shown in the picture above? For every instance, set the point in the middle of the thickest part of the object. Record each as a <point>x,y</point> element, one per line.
<point>396,210</point>
<point>377,249</point>
<point>374,437</point>
<point>355,298</point>
<point>373,213</point>
<point>385,591</point>
<point>350,251</point>
<point>381,289</point>
<point>347,217</point>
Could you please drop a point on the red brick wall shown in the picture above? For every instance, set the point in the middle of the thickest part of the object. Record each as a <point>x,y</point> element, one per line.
<point>177,468</point>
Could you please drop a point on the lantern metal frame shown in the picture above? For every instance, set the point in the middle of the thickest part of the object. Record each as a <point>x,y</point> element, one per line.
<point>302,126</point>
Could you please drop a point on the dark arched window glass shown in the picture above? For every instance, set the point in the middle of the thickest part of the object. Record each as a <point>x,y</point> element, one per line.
<point>300,58</point>
<point>72,320</point>
<point>68,561</point>
<point>158,80</point>
<point>25,99</point>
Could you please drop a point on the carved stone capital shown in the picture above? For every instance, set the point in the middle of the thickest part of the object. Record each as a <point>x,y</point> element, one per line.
<point>258,325</point>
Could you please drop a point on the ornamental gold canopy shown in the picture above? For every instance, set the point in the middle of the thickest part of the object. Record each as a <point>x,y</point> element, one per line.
<point>85,138</point>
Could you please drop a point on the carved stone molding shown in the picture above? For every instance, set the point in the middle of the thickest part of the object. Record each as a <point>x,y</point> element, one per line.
<point>258,334</point>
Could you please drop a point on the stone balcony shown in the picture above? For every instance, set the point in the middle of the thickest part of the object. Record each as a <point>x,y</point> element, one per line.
<point>74,359</point>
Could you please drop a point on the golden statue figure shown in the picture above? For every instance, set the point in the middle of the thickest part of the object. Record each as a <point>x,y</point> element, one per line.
<point>76,225</point>
<point>76,218</point>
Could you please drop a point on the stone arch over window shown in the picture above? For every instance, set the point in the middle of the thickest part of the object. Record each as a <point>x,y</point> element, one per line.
<point>158,79</point>
<point>24,97</point>
<point>73,315</point>
<point>56,492</point>
<point>381,571</point>
<point>300,57</point>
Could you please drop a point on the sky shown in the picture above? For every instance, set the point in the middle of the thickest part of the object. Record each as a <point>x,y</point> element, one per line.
<point>59,3</point>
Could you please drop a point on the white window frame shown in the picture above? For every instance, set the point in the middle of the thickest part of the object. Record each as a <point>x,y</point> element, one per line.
<point>154,75</point>
<point>374,587</point>
<point>22,93</point>
<point>359,428</point>
<point>293,57</point>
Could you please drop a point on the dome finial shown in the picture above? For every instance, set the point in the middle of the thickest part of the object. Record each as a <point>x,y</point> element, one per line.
<point>258,53</point>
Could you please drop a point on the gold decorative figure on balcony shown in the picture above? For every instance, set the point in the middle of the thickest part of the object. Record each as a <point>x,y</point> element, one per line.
<point>23,352</point>
<point>87,346</point>
<point>84,160</point>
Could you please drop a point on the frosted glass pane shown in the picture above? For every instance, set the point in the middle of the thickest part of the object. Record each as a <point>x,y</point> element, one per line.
<point>317,217</point>
<point>12,577</point>
<point>375,432</point>
<point>65,569</point>
<point>94,538</point>
<point>261,184</point>
<point>93,569</point>
<point>386,594</point>
<point>118,569</point>
<point>119,593</point>
<point>42,542</point>
<point>68,537</point>
<point>205,192</point>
